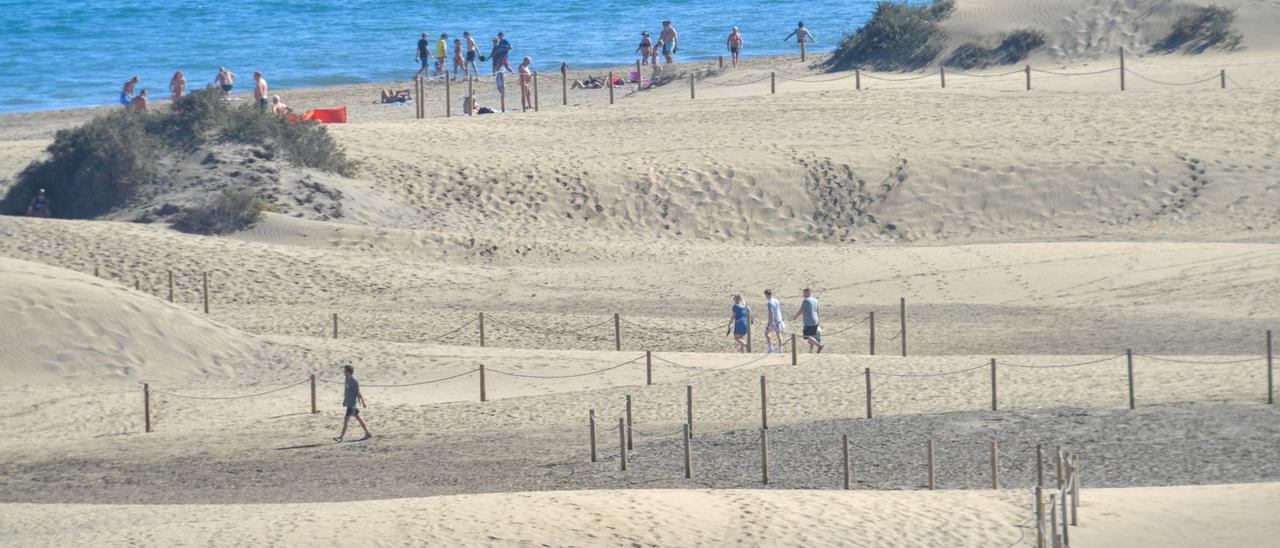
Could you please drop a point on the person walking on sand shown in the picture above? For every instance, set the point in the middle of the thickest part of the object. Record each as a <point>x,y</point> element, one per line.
<point>260,90</point>
<point>139,103</point>
<point>502,55</point>
<point>740,322</point>
<point>225,80</point>
<point>176,86</point>
<point>669,41</point>
<point>473,51</point>
<point>646,48</point>
<point>812,328</point>
<point>526,84</point>
<point>350,397</point>
<point>126,92</point>
<point>442,51</point>
<point>803,36</point>
<point>423,56</point>
<point>773,325</point>
<point>734,44</point>
<point>458,62</point>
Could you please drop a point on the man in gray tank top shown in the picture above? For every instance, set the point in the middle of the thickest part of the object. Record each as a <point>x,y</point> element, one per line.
<point>812,328</point>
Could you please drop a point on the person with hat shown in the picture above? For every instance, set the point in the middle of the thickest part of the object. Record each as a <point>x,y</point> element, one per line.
<point>646,48</point>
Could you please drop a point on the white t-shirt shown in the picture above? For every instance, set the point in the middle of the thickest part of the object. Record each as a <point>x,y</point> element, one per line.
<point>775,312</point>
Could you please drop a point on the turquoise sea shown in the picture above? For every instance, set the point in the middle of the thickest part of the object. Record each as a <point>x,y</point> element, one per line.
<point>69,53</point>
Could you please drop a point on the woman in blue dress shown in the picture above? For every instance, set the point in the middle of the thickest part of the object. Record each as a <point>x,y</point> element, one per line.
<point>740,322</point>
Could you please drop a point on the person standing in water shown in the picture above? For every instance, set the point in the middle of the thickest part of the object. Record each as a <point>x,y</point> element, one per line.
<point>735,45</point>
<point>350,397</point>
<point>176,86</point>
<point>740,321</point>
<point>774,326</point>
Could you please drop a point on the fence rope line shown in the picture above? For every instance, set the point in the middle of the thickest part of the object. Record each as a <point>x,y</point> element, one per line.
<point>1091,73</point>
<point>570,376</point>
<point>272,391</point>
<point>976,75</point>
<point>924,375</point>
<point>895,335</point>
<point>922,76</point>
<point>652,435</point>
<point>1062,365</point>
<point>545,331</point>
<point>1164,83</point>
<point>431,381</point>
<point>669,331</point>
<point>728,85</point>
<point>812,81</point>
<point>859,322</point>
<point>1171,360</point>
<point>597,423</point>
<point>810,383</point>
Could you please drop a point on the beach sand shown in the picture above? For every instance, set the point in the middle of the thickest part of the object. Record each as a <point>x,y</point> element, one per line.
<point>1064,226</point>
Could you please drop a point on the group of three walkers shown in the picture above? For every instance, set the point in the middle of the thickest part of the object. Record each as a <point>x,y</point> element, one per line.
<point>741,319</point>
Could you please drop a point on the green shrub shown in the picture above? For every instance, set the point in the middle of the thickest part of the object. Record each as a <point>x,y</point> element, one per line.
<point>101,165</point>
<point>1012,49</point>
<point>1211,27</point>
<point>899,36</point>
<point>229,212</point>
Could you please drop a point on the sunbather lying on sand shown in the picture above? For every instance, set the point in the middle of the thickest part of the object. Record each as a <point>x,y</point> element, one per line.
<point>393,96</point>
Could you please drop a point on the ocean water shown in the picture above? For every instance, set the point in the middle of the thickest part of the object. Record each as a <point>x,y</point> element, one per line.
<point>68,53</point>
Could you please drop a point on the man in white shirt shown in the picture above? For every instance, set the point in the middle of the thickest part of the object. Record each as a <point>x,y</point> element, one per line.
<point>774,323</point>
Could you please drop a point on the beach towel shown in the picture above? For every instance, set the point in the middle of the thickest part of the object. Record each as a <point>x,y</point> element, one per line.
<point>327,115</point>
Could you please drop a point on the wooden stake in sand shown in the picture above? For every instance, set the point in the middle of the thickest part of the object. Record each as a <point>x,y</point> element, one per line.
<point>630,446</point>
<point>564,83</point>
<point>1039,466</point>
<point>868,392</point>
<point>335,325</point>
<point>764,455</point>
<point>146,407</point>
<point>1028,71</point>
<point>764,405</point>
<point>448,96</point>
<point>535,92</point>
<point>502,94</point>
<point>1122,69</point>
<point>857,79</point>
<point>844,454</point>
<point>688,407</point>
<point>802,52</point>
<point>692,91</point>
<point>95,272</point>
<point>622,443</point>
<point>639,77</point>
<point>170,286</point>
<point>1053,521</point>
<point>617,332</point>
<point>902,314</point>
<point>1039,516</point>
<point>1129,356</point>
<point>931,484</point>
<point>1060,470</point>
<point>995,464</point>
<point>773,83</point>
<point>610,86</point>
<point>314,409</point>
<point>793,348</point>
<point>688,462</point>
<point>993,384</point>
<point>206,291</point>
<point>872,319</point>
<point>1270,376</point>
<point>483,396</point>
<point>648,368</point>
<point>591,422</point>
<point>749,351</point>
<point>942,74</point>
<point>721,61</point>
<point>137,285</point>
<point>1222,77</point>
<point>482,330</point>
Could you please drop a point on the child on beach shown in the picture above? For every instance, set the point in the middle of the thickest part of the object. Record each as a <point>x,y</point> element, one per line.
<point>350,396</point>
<point>126,92</point>
<point>176,85</point>
<point>458,63</point>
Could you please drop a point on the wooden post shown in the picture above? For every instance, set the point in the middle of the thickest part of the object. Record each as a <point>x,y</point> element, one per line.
<point>483,396</point>
<point>471,92</point>
<point>688,462</point>
<point>622,443</point>
<point>448,96</point>
<point>1222,77</point>
<point>417,97</point>
<point>648,368</point>
<point>1270,376</point>
<point>146,407</point>
<point>1058,461</point>
<point>902,307</point>
<point>721,61</point>
<point>942,73</point>
<point>1075,489</point>
<point>523,106</point>
<point>692,91</point>
<point>482,330</point>
<point>1039,467</point>
<point>335,325</point>
<point>1122,69</point>
<point>764,404</point>
<point>1066,533</point>
<point>1028,71</point>
<point>993,385</point>
<point>793,349</point>
<point>96,272</point>
<point>844,453</point>
<point>764,455</point>
<point>502,94</point>
<point>688,407</point>
<point>773,83</point>
<point>872,319</point>
<point>802,51</point>
<point>206,292</point>
<point>564,83</point>
<point>1129,355</point>
<point>314,409</point>
<point>535,92</point>
<point>629,444</point>
<point>931,484</point>
<point>591,422</point>
<point>1039,517</point>
<point>639,77</point>
<point>857,79</point>
<point>610,88</point>
<point>1053,521</point>
<point>749,351</point>
<point>171,286</point>
<point>617,332</point>
<point>868,392</point>
<point>995,464</point>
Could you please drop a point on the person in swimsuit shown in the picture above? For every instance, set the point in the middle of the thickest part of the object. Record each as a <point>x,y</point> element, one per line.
<point>669,41</point>
<point>458,62</point>
<point>226,80</point>
<point>394,96</point>
<point>442,51</point>
<point>526,84</point>
<point>39,206</point>
<point>260,90</point>
<point>176,86</point>
<point>774,325</point>
<point>423,56</point>
<point>139,103</point>
<point>473,51</point>
<point>740,320</point>
<point>278,107</point>
<point>735,44</point>
<point>646,48</point>
<point>126,92</point>
<point>350,397</point>
<point>803,36</point>
<point>812,325</point>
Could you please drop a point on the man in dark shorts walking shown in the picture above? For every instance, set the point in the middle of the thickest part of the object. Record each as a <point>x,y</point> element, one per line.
<point>812,329</point>
<point>350,396</point>
<point>423,56</point>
